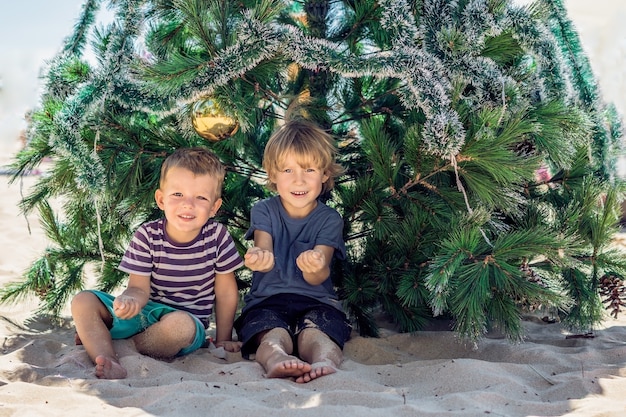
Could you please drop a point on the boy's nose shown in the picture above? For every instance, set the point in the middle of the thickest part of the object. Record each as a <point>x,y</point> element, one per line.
<point>299,177</point>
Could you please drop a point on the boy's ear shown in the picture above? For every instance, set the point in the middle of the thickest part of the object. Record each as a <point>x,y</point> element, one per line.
<point>216,206</point>
<point>158,197</point>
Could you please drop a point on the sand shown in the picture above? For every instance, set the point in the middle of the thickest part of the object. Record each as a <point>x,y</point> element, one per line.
<point>429,373</point>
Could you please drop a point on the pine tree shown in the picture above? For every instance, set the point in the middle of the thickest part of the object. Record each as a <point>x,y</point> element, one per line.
<point>479,155</point>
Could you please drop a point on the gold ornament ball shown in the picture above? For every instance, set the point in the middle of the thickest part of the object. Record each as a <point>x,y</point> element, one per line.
<point>211,122</point>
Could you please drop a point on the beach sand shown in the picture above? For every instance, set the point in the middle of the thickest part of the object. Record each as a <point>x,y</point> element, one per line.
<point>429,373</point>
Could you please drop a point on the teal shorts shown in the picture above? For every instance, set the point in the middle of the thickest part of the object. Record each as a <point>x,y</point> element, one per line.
<point>150,314</point>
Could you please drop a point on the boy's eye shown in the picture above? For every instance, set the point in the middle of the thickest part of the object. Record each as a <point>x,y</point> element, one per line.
<point>290,170</point>
<point>177,194</point>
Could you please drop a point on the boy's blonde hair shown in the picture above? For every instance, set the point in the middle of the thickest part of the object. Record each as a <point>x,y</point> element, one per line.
<point>198,160</point>
<point>311,146</point>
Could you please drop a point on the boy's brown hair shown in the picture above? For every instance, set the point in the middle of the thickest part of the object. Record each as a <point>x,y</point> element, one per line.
<point>198,160</point>
<point>311,146</point>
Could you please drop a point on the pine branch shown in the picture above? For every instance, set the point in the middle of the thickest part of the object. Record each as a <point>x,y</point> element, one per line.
<point>75,44</point>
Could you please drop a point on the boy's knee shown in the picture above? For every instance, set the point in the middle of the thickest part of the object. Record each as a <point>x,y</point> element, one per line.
<point>277,333</point>
<point>310,335</point>
<point>83,299</point>
<point>180,322</point>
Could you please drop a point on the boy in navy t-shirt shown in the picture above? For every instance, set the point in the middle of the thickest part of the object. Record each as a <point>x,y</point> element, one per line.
<point>293,321</point>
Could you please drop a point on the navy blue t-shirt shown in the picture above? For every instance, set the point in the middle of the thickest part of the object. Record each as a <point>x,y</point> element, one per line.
<point>291,237</point>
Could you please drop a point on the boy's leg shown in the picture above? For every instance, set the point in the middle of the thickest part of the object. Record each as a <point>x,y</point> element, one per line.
<point>167,337</point>
<point>274,354</point>
<point>92,321</point>
<point>321,333</point>
<point>315,347</point>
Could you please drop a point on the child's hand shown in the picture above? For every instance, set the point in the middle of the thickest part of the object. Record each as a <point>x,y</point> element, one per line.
<point>126,307</point>
<point>229,346</point>
<point>258,259</point>
<point>311,261</point>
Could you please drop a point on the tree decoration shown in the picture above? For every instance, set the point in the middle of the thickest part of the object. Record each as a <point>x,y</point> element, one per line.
<point>211,122</point>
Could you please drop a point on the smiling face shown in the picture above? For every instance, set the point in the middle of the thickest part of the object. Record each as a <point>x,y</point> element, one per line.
<point>298,185</point>
<point>188,201</point>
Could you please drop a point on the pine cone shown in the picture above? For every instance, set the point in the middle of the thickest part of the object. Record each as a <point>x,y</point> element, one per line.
<point>613,291</point>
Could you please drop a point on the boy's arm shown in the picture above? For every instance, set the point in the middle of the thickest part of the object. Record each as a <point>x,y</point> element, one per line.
<point>263,240</point>
<point>135,297</point>
<point>260,257</point>
<point>315,264</point>
<point>226,300</point>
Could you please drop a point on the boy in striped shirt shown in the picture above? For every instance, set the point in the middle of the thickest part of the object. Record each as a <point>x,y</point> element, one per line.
<point>180,268</point>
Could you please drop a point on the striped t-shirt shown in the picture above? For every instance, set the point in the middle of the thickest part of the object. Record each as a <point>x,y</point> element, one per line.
<point>182,275</point>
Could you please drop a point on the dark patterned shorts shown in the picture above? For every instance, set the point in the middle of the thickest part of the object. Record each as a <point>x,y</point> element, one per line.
<point>293,313</point>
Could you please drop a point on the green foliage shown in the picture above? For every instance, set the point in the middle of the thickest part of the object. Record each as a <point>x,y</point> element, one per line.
<point>478,155</point>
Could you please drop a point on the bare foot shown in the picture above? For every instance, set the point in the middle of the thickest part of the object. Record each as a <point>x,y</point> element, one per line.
<point>107,368</point>
<point>318,369</point>
<point>283,366</point>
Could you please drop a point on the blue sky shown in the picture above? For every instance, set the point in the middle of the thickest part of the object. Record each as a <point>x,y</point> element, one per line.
<point>39,24</point>
<point>31,32</point>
